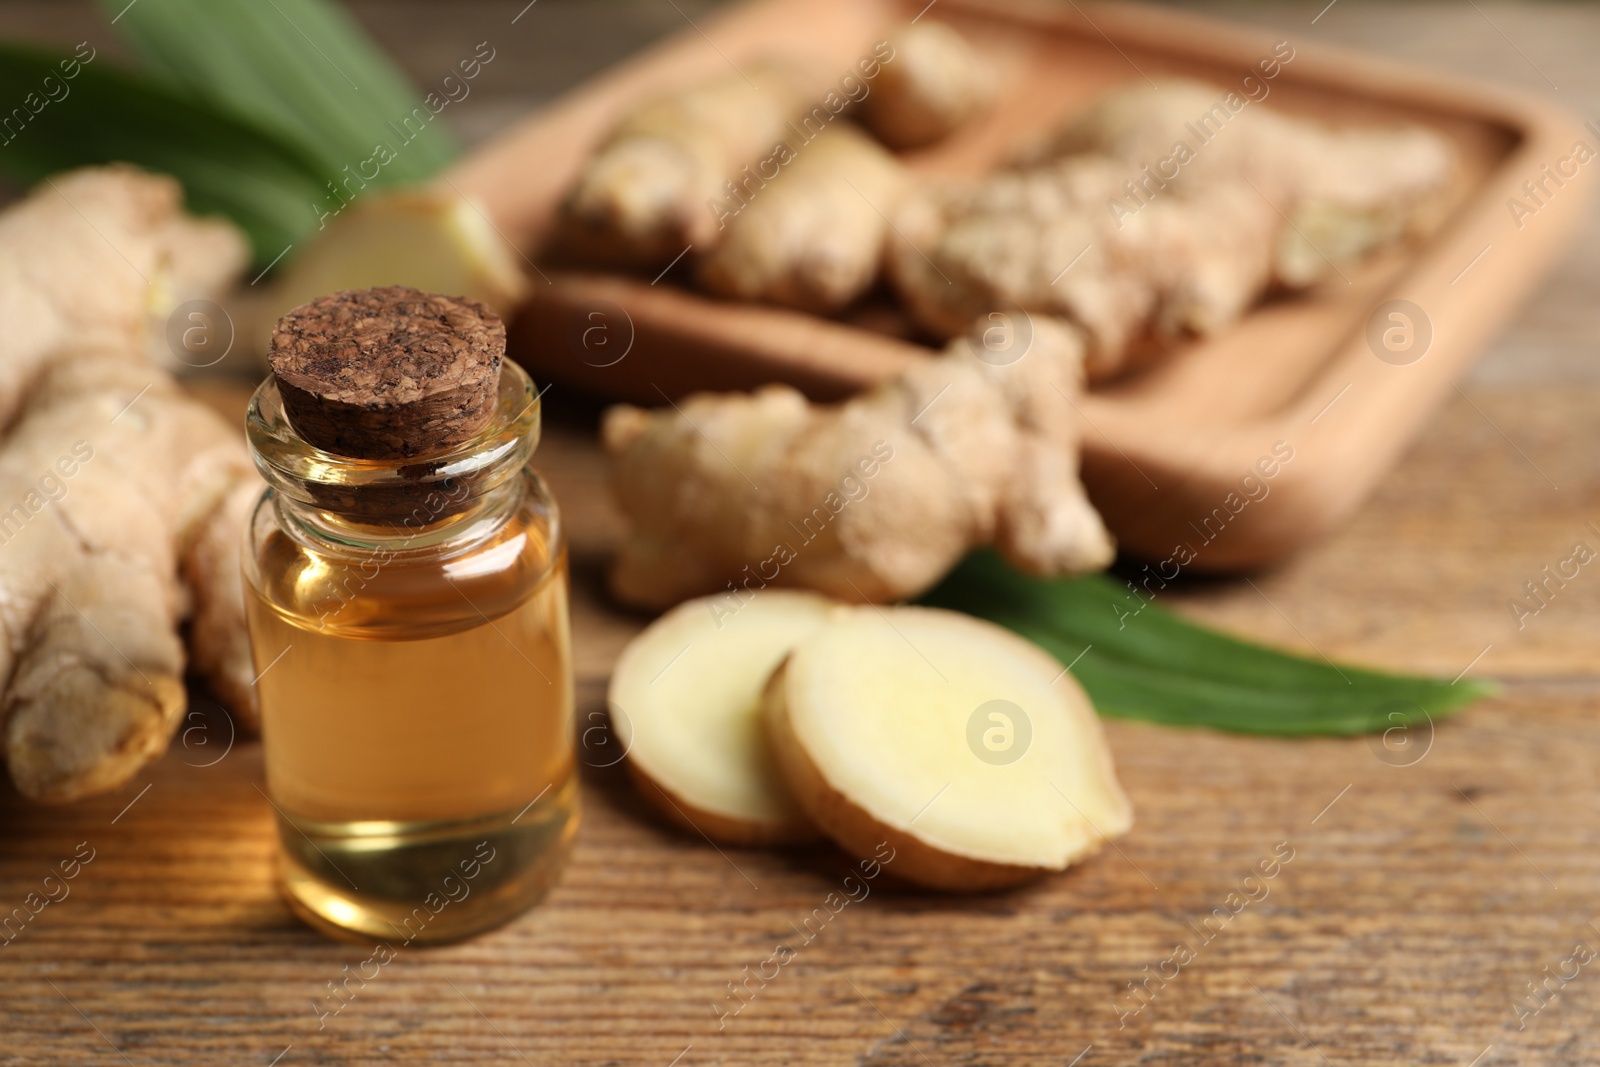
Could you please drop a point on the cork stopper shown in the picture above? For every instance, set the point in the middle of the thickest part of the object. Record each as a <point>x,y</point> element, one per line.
<point>388,373</point>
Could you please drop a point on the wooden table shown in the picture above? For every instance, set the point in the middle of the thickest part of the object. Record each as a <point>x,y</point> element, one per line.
<point>1430,883</point>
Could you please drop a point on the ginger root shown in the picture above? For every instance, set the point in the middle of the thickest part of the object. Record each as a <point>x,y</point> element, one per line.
<point>120,497</point>
<point>813,237</point>
<point>936,83</point>
<point>653,188</point>
<point>87,259</point>
<point>1163,215</point>
<point>872,499</point>
<point>1042,240</point>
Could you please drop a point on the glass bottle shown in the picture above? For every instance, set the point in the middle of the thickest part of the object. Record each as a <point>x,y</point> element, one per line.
<point>409,624</point>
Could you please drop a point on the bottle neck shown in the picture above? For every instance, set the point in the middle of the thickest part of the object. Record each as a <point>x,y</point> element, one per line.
<point>422,502</point>
<point>449,518</point>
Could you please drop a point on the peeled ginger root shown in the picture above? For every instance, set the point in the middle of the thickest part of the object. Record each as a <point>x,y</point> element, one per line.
<point>966,748</point>
<point>936,83</point>
<point>873,499</point>
<point>685,701</point>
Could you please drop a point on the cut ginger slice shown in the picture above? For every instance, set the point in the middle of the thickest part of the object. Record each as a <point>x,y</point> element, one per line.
<point>685,702</point>
<point>969,750</point>
<point>433,240</point>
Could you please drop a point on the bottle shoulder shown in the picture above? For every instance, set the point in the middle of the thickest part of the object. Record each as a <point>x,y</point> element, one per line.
<point>410,584</point>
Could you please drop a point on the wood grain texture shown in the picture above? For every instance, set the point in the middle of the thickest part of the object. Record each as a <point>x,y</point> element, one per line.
<point>1414,913</point>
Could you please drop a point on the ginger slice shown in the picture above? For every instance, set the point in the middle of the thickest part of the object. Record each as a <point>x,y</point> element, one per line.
<point>934,83</point>
<point>685,702</point>
<point>965,747</point>
<point>429,239</point>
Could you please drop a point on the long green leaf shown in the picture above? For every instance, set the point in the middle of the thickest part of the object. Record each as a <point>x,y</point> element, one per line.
<point>302,68</point>
<point>1143,662</point>
<point>226,165</point>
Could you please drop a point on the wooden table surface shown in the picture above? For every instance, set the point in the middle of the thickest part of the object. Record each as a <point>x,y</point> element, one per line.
<point>1432,884</point>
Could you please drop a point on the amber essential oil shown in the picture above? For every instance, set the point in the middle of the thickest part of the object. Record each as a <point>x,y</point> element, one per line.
<point>410,630</point>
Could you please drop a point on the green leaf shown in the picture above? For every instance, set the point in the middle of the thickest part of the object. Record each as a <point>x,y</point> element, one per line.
<point>1144,662</point>
<point>301,68</point>
<point>226,165</point>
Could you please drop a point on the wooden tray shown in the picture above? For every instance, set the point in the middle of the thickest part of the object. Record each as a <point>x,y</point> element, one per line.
<point>1167,447</point>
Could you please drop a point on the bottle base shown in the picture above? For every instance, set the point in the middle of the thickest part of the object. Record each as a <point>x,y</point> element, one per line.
<point>425,882</point>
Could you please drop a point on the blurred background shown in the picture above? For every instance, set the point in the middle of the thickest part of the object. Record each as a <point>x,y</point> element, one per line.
<point>1544,48</point>
<point>1521,423</point>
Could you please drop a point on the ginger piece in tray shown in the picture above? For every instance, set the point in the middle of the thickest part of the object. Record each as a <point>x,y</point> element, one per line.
<point>650,189</point>
<point>813,236</point>
<point>1160,214</point>
<point>936,82</point>
<point>120,497</point>
<point>1042,239</point>
<point>871,499</point>
<point>1349,190</point>
<point>1370,168</point>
